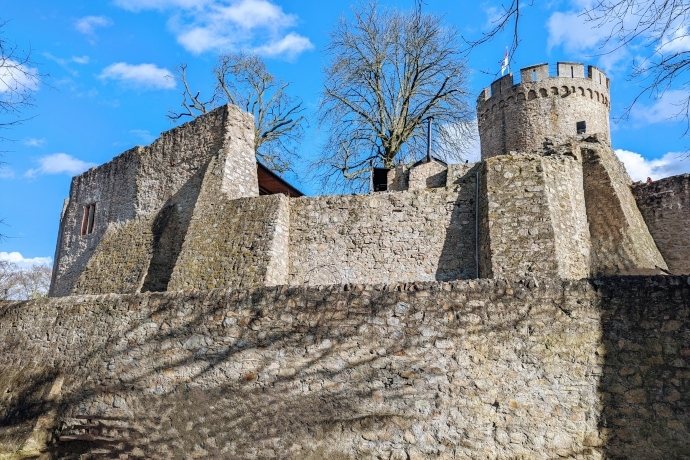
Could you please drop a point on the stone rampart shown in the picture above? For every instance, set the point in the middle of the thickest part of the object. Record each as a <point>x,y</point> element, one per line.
<point>532,218</point>
<point>620,240</point>
<point>143,201</point>
<point>468,369</point>
<point>235,243</point>
<point>112,187</point>
<point>665,206</point>
<point>418,235</point>
<point>519,117</point>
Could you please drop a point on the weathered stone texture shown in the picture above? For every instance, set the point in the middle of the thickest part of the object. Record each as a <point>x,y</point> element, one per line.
<point>157,186</point>
<point>621,243</point>
<point>384,238</point>
<point>112,187</point>
<point>665,206</point>
<point>427,175</point>
<point>517,230</point>
<point>468,369</point>
<point>566,198</point>
<point>235,243</point>
<point>520,117</point>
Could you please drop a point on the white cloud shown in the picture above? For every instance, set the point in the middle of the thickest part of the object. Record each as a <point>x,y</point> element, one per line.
<point>143,134</point>
<point>80,59</point>
<point>6,173</point>
<point>580,38</point>
<point>144,76</point>
<point>59,163</point>
<point>258,26</point>
<point>639,168</point>
<point>15,77</point>
<point>139,5</point>
<point>291,45</point>
<point>88,24</point>
<point>24,262</point>
<point>669,106</point>
<point>33,142</point>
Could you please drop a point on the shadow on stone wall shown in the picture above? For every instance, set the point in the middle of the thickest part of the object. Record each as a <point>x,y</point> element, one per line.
<point>645,384</point>
<point>457,260</point>
<point>420,372</point>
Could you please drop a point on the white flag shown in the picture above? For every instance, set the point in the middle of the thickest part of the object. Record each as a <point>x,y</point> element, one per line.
<point>504,62</point>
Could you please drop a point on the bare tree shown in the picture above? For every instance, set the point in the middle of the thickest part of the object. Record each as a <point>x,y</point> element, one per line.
<point>389,72</point>
<point>18,81</point>
<point>23,283</point>
<point>508,18</point>
<point>658,28</point>
<point>244,80</point>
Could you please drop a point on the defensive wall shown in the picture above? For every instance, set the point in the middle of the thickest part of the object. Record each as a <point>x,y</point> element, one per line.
<point>533,368</point>
<point>184,213</point>
<point>665,205</point>
<point>520,116</point>
<point>141,204</point>
<point>345,326</point>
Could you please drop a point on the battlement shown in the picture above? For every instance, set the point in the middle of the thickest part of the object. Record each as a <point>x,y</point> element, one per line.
<point>521,116</point>
<point>561,81</point>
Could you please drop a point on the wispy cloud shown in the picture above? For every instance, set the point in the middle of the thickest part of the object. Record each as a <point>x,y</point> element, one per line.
<point>24,262</point>
<point>6,172</point>
<point>65,63</point>
<point>140,76</point>
<point>669,106</point>
<point>59,163</point>
<point>258,26</point>
<point>582,39</point>
<point>143,134</point>
<point>88,25</point>
<point>17,78</point>
<point>33,142</point>
<point>640,168</point>
<point>80,59</point>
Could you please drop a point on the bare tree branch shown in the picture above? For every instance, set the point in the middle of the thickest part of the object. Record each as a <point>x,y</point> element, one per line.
<point>244,80</point>
<point>389,71</point>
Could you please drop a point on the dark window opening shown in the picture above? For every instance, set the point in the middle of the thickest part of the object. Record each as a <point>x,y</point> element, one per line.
<point>534,75</point>
<point>380,179</point>
<point>88,220</point>
<point>581,127</point>
<point>572,72</point>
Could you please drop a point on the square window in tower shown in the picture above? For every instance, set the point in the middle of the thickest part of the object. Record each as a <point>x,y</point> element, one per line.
<point>581,127</point>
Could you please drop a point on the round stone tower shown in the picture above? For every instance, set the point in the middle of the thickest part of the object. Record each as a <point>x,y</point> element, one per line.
<point>519,117</point>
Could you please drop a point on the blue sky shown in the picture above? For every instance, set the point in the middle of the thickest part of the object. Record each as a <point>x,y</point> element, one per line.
<point>107,62</point>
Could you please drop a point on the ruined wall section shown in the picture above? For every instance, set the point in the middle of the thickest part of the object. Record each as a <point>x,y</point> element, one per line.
<point>385,237</point>
<point>237,243</point>
<point>563,185</point>
<point>620,240</point>
<point>531,222</point>
<point>427,175</point>
<point>520,117</point>
<point>155,189</point>
<point>112,188</point>
<point>665,206</point>
<point>470,369</point>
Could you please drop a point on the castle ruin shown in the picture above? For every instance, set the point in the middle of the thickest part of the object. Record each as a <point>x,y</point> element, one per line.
<point>534,304</point>
<point>549,198</point>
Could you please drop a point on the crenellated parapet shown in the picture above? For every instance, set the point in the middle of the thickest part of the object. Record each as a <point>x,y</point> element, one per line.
<point>520,117</point>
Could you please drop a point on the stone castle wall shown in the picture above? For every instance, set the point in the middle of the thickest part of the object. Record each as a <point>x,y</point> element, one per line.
<point>144,202</point>
<point>112,187</point>
<point>468,369</point>
<point>620,240</point>
<point>665,206</point>
<point>420,235</point>
<point>534,220</point>
<point>520,117</point>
